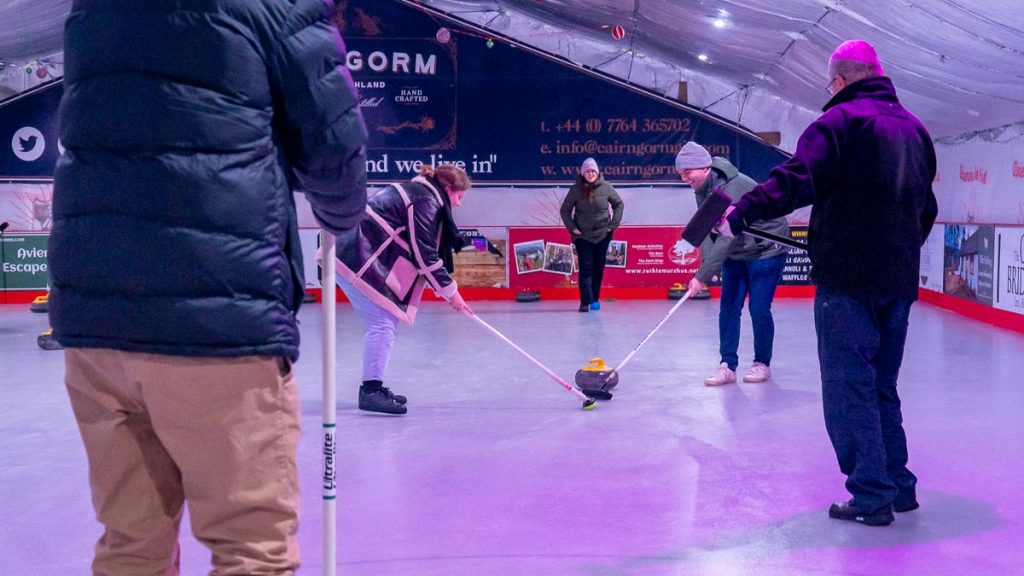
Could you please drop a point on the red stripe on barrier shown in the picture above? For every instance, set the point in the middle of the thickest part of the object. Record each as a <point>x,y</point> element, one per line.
<point>974,310</point>
<point>607,293</point>
<point>20,296</point>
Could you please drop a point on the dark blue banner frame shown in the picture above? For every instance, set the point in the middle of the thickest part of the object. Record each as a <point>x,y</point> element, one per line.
<point>28,133</point>
<point>436,91</point>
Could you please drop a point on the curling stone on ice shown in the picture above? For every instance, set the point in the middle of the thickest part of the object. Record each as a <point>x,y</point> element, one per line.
<point>678,290</point>
<point>41,304</point>
<point>527,296</point>
<point>596,379</point>
<point>46,341</point>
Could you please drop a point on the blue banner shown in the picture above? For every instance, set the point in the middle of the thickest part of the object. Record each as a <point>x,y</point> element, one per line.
<point>28,133</point>
<point>433,92</point>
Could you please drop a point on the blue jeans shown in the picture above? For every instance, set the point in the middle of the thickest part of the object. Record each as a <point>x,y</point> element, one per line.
<point>592,260</point>
<point>758,278</point>
<point>860,349</point>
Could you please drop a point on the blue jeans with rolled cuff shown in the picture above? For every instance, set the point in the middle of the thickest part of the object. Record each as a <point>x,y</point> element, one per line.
<point>758,279</point>
<point>860,350</point>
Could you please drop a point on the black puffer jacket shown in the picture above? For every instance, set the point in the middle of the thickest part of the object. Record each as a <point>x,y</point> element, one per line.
<point>867,166</point>
<point>187,125</point>
<point>393,254</point>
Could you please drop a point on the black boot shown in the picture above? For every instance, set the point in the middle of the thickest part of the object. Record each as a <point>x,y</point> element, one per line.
<point>396,397</point>
<point>374,385</point>
<point>374,397</point>
<point>850,511</point>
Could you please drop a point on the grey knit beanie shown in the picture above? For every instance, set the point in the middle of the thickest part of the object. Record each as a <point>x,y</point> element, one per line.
<point>692,155</point>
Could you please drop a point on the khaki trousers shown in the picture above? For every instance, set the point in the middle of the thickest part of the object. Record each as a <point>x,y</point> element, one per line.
<point>217,434</point>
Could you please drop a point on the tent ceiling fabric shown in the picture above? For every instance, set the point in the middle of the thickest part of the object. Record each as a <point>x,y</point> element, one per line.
<point>956,63</point>
<point>31,29</point>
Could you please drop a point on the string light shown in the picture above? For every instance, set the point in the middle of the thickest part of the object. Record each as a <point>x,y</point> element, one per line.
<point>42,69</point>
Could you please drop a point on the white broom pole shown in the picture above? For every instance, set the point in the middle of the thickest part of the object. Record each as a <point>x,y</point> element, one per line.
<point>548,371</point>
<point>651,333</point>
<point>330,468</point>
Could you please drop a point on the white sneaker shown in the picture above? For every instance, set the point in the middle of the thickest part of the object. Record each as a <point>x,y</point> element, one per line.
<point>758,373</point>
<point>721,375</point>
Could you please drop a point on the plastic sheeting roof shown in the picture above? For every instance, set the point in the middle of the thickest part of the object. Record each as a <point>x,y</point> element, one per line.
<point>957,64</point>
<point>31,29</point>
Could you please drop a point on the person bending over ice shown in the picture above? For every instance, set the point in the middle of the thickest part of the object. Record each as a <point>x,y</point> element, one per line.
<point>406,242</point>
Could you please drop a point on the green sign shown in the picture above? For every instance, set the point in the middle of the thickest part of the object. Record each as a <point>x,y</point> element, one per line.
<point>23,260</point>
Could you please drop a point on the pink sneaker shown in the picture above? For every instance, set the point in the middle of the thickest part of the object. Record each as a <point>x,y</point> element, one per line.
<point>758,373</point>
<point>721,375</point>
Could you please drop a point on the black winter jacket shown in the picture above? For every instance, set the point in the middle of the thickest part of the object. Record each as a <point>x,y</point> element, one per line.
<point>187,125</point>
<point>867,166</point>
<point>393,254</point>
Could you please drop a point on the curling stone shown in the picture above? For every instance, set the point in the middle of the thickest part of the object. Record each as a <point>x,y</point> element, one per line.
<point>46,341</point>
<point>40,304</point>
<point>677,291</point>
<point>596,379</point>
<point>527,296</point>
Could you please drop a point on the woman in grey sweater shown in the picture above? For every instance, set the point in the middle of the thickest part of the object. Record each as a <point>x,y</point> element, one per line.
<point>591,212</point>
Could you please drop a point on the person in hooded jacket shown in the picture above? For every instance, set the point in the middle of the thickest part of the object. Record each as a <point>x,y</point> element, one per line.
<point>591,211</point>
<point>747,266</point>
<point>866,165</point>
<point>406,242</point>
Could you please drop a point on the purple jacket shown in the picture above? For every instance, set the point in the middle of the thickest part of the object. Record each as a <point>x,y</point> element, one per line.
<point>867,166</point>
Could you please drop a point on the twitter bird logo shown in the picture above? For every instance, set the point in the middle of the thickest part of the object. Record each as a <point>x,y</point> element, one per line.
<point>28,144</point>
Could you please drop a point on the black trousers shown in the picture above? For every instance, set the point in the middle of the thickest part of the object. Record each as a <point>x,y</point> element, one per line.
<point>592,258</point>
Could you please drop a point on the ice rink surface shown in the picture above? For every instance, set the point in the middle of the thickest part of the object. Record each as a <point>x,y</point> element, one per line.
<point>496,470</point>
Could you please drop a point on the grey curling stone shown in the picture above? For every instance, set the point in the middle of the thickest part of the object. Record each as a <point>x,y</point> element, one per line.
<point>597,379</point>
<point>527,296</point>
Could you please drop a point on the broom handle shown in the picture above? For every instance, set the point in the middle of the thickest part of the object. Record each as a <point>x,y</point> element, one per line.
<point>536,362</point>
<point>651,333</point>
<point>776,239</point>
<point>330,461</point>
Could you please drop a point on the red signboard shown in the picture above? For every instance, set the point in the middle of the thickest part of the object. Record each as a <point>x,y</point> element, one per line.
<point>638,257</point>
